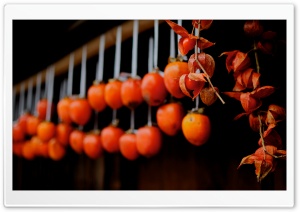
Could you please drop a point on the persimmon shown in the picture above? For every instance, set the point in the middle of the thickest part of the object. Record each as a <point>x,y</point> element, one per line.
<point>18,148</point>
<point>92,145</point>
<point>63,132</point>
<point>18,133</point>
<point>63,110</point>
<point>80,111</point>
<point>28,150</point>
<point>76,141</point>
<point>32,125</point>
<point>46,130</point>
<point>196,128</point>
<point>110,137</point>
<point>148,140</point>
<point>128,146</point>
<point>41,108</point>
<point>112,94</point>
<point>172,73</point>
<point>56,150</point>
<point>153,88</point>
<point>96,96</point>
<point>131,93</point>
<point>40,147</point>
<point>169,118</point>
<point>23,121</point>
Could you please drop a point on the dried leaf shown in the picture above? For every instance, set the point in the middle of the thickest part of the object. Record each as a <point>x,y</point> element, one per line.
<point>263,168</point>
<point>265,47</point>
<point>268,35</point>
<point>249,103</point>
<point>262,92</point>
<point>271,137</point>
<point>239,116</point>
<point>235,95</point>
<point>236,61</point>
<point>229,59</point>
<point>253,28</point>
<point>240,62</point>
<point>275,114</point>
<point>255,80</point>
<point>238,84</point>
<point>197,77</point>
<point>206,61</point>
<point>178,29</point>
<point>204,24</point>
<point>208,95</point>
<point>182,85</point>
<point>254,122</point>
<point>203,43</point>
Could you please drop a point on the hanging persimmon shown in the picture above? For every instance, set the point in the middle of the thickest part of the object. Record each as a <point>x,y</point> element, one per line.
<point>95,96</point>
<point>80,111</point>
<point>112,94</point>
<point>128,146</point>
<point>153,88</point>
<point>169,117</point>
<point>131,93</point>
<point>63,110</point>
<point>110,137</point>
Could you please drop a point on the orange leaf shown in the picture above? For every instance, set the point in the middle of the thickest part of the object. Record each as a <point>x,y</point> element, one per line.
<point>207,62</point>
<point>255,80</point>
<point>240,62</point>
<point>275,114</point>
<point>239,116</point>
<point>271,137</point>
<point>235,95</point>
<point>262,92</point>
<point>182,85</point>
<point>203,43</point>
<point>229,59</point>
<point>197,77</point>
<point>178,29</point>
<point>254,122</point>
<point>249,103</point>
<point>204,24</point>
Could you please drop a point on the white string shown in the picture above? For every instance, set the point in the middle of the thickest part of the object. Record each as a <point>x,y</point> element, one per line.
<point>99,73</point>
<point>172,44</point>
<point>155,43</point>
<point>132,120</point>
<point>150,56</point>
<point>29,96</point>
<point>70,75</point>
<point>21,101</point>
<point>38,90</point>
<point>50,91</point>
<point>118,52</point>
<point>134,48</point>
<point>150,67</point>
<point>197,71</point>
<point>83,73</point>
<point>179,22</point>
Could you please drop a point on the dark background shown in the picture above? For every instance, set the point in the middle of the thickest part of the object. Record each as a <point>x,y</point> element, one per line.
<point>179,165</point>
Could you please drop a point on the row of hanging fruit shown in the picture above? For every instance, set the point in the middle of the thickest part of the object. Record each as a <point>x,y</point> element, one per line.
<point>34,135</point>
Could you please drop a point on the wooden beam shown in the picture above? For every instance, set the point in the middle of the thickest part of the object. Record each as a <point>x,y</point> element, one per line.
<point>62,65</point>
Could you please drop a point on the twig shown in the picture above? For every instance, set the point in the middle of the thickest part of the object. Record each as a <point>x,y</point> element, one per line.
<point>256,58</point>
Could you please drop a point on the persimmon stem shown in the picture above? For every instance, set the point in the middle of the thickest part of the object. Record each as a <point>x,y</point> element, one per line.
<point>256,58</point>
<point>263,141</point>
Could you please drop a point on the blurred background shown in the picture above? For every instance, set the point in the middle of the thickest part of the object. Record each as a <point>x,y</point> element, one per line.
<point>179,165</point>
